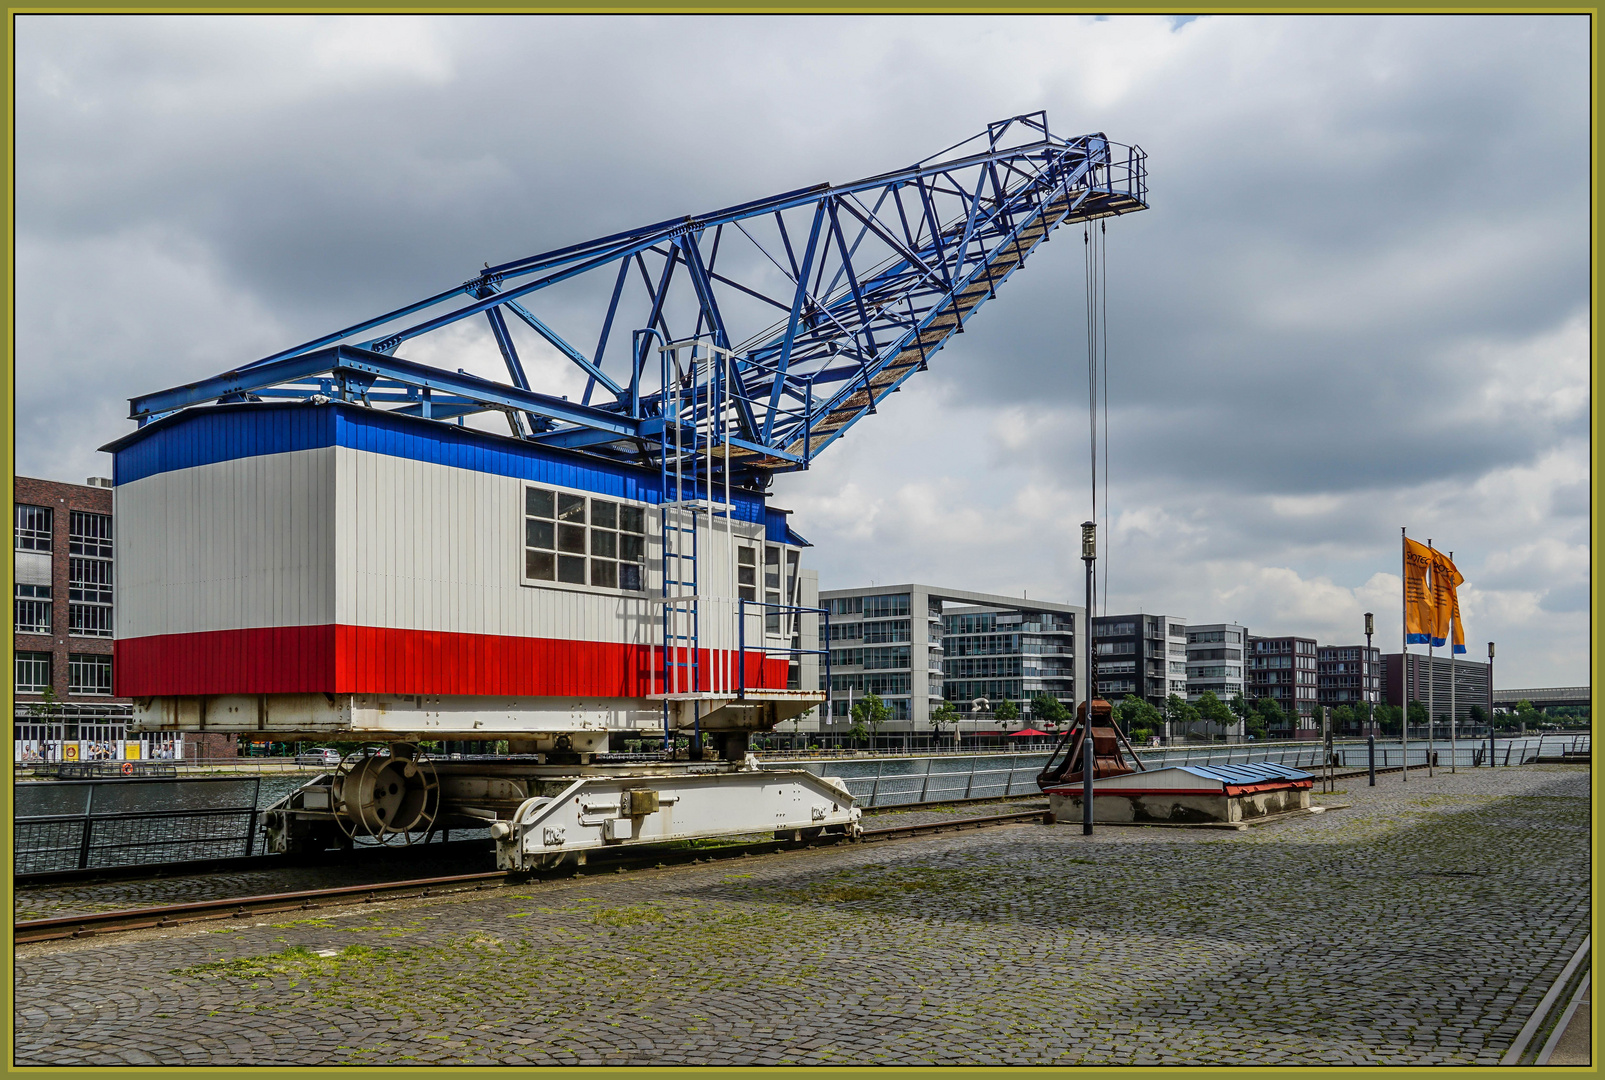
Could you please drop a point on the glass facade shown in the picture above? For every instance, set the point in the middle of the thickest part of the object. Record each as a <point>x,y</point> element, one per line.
<point>1008,655</point>
<point>914,660</point>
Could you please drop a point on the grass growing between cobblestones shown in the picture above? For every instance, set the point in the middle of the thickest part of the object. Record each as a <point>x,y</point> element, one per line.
<point>878,884</point>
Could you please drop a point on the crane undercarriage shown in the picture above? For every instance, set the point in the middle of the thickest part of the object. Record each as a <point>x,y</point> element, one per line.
<point>540,812</point>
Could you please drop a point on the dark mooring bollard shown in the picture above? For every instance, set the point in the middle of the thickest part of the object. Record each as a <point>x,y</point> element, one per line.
<point>1371,757</point>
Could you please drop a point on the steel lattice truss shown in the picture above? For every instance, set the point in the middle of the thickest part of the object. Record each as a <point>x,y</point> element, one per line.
<point>830,297</point>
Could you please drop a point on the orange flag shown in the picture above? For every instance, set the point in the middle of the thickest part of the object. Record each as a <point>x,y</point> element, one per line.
<point>1420,613</point>
<point>1446,580</point>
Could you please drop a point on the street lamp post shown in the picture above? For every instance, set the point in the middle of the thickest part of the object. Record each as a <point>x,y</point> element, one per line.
<point>1490,704</point>
<point>1089,555</point>
<point>1369,672</point>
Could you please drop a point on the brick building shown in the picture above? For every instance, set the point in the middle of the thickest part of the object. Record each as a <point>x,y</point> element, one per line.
<point>1406,677</point>
<point>63,623</point>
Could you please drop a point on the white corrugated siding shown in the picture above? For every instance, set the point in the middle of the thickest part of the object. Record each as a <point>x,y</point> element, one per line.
<point>423,546</point>
<point>233,545</point>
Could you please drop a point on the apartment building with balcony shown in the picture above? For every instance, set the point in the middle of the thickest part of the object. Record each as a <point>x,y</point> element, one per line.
<point>1140,654</point>
<point>1215,662</point>
<point>1349,675</point>
<point>1284,669</point>
<point>995,653</point>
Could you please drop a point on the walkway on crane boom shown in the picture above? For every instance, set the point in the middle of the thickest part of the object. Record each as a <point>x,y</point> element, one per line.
<point>878,275</point>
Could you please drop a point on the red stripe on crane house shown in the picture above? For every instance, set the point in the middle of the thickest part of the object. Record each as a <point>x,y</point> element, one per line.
<point>339,659</point>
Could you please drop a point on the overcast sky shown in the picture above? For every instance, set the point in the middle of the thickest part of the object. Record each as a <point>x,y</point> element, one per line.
<point>1358,302</point>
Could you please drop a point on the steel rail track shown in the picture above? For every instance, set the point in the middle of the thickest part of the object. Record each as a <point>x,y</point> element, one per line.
<point>188,867</point>
<point>619,861</point>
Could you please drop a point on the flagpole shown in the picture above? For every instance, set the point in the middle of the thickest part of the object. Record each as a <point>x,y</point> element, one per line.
<point>1432,591</point>
<point>1451,680</point>
<point>1404,652</point>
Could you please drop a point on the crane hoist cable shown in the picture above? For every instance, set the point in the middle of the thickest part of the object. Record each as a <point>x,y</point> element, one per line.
<point>1095,255</point>
<point>1103,329</point>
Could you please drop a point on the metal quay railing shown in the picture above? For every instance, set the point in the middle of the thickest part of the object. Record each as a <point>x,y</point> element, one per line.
<point>127,835</point>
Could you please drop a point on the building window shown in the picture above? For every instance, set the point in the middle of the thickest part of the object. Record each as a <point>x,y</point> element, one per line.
<point>89,674</point>
<point>747,575</point>
<point>32,609</point>
<point>882,632</point>
<point>580,541</point>
<point>771,594</point>
<point>89,596</point>
<point>880,684</point>
<point>33,672</point>
<point>885,607</point>
<point>89,620</point>
<point>893,657</point>
<point>89,534</point>
<point>34,527</point>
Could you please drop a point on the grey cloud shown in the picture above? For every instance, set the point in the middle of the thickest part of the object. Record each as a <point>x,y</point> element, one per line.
<point>1571,598</point>
<point>1570,500</point>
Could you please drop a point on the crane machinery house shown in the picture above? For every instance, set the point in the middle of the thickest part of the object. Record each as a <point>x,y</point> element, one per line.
<point>338,542</point>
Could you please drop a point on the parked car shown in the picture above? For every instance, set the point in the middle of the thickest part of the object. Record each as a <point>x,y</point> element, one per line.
<point>323,755</point>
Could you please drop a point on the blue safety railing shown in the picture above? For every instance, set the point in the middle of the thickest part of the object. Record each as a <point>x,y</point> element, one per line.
<point>791,652</point>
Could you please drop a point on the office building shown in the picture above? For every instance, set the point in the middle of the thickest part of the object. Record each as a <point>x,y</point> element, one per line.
<point>1406,681</point>
<point>917,645</point>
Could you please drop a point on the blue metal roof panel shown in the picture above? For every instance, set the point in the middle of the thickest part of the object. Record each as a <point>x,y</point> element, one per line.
<point>204,436</point>
<point>1249,772</point>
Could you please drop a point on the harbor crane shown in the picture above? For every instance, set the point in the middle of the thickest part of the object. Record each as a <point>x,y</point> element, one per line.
<point>319,544</point>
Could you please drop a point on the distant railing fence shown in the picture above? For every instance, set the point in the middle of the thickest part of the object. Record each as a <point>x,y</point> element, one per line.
<point>92,824</point>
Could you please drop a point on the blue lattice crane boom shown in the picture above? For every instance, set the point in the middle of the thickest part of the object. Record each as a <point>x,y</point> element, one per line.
<point>827,298</point>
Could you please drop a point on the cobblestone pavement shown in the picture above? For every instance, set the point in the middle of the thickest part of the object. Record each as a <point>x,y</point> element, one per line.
<point>57,901</point>
<point>1419,925</point>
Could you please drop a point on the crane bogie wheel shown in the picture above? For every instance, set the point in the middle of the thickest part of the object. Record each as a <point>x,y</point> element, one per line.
<point>386,794</point>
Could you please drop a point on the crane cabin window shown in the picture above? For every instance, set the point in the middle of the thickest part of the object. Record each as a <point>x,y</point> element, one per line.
<point>577,540</point>
<point>747,572</point>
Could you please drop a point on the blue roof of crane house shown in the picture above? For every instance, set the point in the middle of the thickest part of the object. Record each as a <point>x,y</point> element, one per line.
<point>1249,772</point>
<point>205,435</point>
